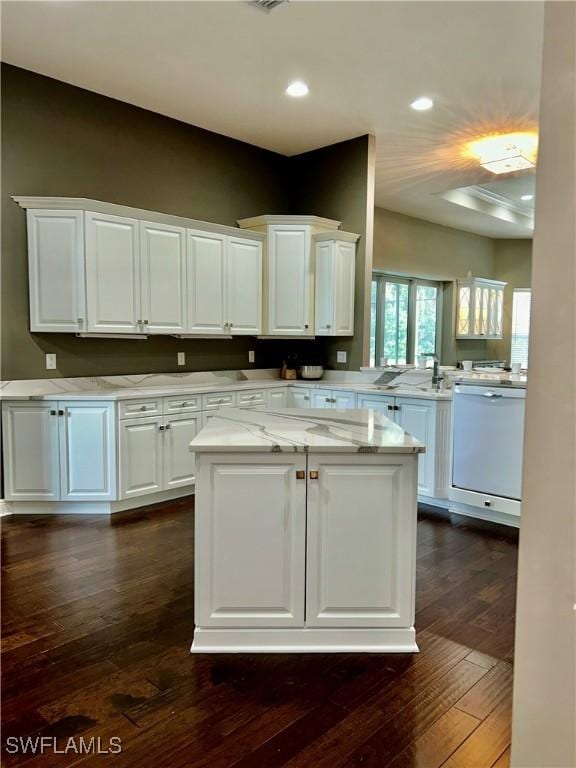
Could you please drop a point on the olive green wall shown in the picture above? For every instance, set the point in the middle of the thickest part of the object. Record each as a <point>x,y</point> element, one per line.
<point>407,246</point>
<point>513,265</point>
<point>62,140</point>
<point>338,182</point>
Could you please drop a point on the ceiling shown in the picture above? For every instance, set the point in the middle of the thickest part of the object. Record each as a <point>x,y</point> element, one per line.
<point>224,66</point>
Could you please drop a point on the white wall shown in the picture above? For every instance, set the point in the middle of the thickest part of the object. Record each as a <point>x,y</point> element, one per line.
<point>544,716</point>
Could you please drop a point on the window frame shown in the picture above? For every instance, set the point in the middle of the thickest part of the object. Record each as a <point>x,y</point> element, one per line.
<point>514,292</point>
<point>381,278</point>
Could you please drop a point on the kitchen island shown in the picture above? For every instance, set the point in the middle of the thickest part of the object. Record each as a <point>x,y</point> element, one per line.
<point>305,532</point>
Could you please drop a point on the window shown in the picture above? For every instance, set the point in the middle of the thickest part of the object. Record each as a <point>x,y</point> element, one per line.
<point>521,299</point>
<point>404,319</point>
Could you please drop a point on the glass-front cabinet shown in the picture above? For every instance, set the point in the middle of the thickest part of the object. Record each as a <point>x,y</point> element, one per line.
<point>479,308</point>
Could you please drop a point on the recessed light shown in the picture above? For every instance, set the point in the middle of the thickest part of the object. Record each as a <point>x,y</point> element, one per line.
<point>297,89</point>
<point>422,104</point>
<point>527,197</point>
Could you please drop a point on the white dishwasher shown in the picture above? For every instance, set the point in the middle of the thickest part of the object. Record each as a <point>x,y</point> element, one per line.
<point>488,439</point>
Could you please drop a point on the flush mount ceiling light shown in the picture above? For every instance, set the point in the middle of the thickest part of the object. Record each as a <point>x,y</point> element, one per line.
<point>505,153</point>
<point>297,89</point>
<point>526,197</point>
<point>422,104</point>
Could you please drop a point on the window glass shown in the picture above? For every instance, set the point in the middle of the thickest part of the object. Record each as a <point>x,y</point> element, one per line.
<point>426,319</point>
<point>521,300</point>
<point>395,335</point>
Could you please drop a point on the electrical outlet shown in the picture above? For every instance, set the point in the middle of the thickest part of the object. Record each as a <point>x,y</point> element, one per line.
<point>181,358</point>
<point>51,362</point>
<point>251,356</point>
<point>341,357</point>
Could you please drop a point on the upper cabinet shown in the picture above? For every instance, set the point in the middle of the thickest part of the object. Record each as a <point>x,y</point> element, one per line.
<point>295,280</point>
<point>56,274</point>
<point>94,270</point>
<point>335,271</point>
<point>479,308</point>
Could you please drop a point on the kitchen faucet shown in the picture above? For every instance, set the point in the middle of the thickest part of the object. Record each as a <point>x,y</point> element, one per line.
<point>436,377</point>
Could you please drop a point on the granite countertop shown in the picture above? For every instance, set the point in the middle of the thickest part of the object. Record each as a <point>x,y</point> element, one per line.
<point>111,393</point>
<point>306,430</point>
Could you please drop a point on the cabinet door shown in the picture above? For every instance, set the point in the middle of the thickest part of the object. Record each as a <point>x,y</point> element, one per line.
<point>382,404</point>
<point>277,398</point>
<point>324,323</point>
<point>206,259</point>
<point>321,398</point>
<point>244,294</point>
<point>417,417</point>
<point>112,274</point>
<point>179,463</point>
<point>141,456</point>
<point>30,447</point>
<point>344,399</point>
<point>87,451</point>
<point>345,271</point>
<point>289,280</point>
<point>298,397</point>
<point>163,265</point>
<point>361,536</point>
<point>56,271</point>
<point>240,582</point>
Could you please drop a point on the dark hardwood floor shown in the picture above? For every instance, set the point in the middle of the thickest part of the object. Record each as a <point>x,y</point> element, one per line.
<point>97,625</point>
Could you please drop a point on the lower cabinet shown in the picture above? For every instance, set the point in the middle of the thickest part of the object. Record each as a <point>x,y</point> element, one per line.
<point>277,398</point>
<point>155,455</point>
<point>59,451</point>
<point>326,541</point>
<point>329,398</point>
<point>298,397</point>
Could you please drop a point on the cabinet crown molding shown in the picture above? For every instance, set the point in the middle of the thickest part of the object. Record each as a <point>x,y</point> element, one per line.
<point>142,214</point>
<point>336,234</point>
<point>266,219</point>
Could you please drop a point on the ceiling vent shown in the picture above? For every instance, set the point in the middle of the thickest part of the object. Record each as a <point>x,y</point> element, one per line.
<point>267,5</point>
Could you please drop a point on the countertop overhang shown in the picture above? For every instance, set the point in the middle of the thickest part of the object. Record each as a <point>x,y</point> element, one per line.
<point>289,430</point>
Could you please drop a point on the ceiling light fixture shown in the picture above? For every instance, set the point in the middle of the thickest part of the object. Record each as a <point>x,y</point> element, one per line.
<point>505,153</point>
<point>526,197</point>
<point>422,104</point>
<point>297,89</point>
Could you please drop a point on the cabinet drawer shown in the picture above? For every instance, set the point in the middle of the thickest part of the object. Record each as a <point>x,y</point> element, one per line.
<point>251,397</point>
<point>132,408</point>
<point>182,404</point>
<point>217,400</point>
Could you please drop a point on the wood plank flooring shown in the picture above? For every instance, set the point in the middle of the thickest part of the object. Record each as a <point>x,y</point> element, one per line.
<point>97,624</point>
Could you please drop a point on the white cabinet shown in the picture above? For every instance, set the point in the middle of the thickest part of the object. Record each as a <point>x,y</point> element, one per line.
<point>289,280</point>
<point>30,447</point>
<point>479,308</point>
<point>334,280</point>
<point>141,456</point>
<point>163,278</point>
<point>381,403</point>
<point>298,397</point>
<point>417,417</point>
<point>56,273</point>
<point>59,451</point>
<point>250,547</point>
<point>112,274</point>
<point>244,286</point>
<point>179,462</point>
<point>357,516</point>
<point>87,451</point>
<point>277,398</point>
<point>332,398</point>
<point>206,283</point>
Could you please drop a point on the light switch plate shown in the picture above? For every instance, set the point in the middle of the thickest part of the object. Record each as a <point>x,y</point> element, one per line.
<point>51,362</point>
<point>181,358</point>
<point>341,357</point>
<point>251,356</point>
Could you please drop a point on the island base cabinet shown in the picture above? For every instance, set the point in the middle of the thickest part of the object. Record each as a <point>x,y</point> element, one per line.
<point>250,541</point>
<point>305,553</point>
<point>360,542</point>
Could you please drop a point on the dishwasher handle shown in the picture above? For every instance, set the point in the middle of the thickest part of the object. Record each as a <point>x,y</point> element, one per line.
<point>492,394</point>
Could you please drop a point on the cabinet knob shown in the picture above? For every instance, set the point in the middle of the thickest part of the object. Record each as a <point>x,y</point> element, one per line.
<point>306,397</point>
<point>60,413</point>
<point>80,321</point>
<point>306,326</point>
<point>167,426</point>
<point>184,405</point>
<point>390,407</point>
<point>328,326</point>
<point>52,413</point>
<point>313,474</point>
<point>161,427</point>
<point>138,322</point>
<point>300,474</point>
<point>145,322</point>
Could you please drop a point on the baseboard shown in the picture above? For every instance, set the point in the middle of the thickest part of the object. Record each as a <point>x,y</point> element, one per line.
<point>305,640</point>
<point>91,507</point>
<point>492,516</point>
